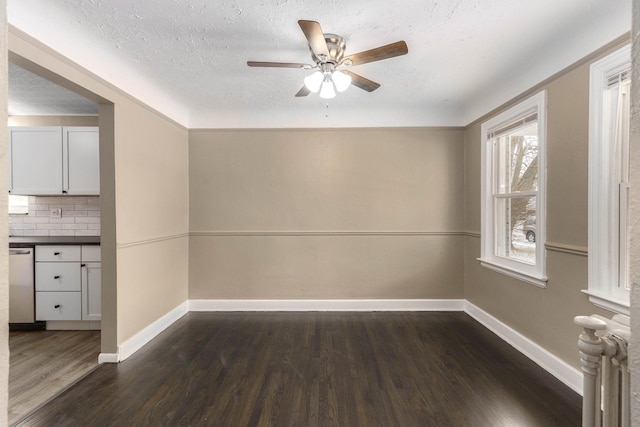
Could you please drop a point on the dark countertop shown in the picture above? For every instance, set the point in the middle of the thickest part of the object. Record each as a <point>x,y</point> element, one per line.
<point>17,242</point>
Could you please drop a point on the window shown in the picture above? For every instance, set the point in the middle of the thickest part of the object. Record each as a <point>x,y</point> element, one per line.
<point>513,191</point>
<point>609,113</point>
<point>18,204</point>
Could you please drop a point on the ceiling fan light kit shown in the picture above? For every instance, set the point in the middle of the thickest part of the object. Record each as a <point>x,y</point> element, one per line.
<point>327,51</point>
<point>323,83</point>
<point>314,81</point>
<point>341,80</point>
<point>326,90</point>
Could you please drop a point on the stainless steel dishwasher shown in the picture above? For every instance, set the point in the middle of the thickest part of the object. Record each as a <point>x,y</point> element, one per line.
<point>21,285</point>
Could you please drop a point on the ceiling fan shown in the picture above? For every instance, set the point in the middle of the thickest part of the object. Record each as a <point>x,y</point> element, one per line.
<point>327,52</point>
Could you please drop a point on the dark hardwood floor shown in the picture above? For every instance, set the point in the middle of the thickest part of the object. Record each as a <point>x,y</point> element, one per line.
<point>318,369</point>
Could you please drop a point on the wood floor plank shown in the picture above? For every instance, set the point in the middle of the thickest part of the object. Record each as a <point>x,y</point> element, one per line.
<point>44,363</point>
<point>319,369</point>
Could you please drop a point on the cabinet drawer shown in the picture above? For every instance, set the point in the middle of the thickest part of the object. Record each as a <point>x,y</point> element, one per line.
<point>58,276</point>
<point>58,305</point>
<point>91,254</point>
<point>58,253</point>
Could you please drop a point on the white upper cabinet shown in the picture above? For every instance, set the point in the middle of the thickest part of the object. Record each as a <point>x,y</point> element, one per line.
<point>81,160</point>
<point>54,160</point>
<point>35,165</point>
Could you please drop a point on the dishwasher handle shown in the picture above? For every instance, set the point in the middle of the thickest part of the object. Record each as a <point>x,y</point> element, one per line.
<point>19,251</point>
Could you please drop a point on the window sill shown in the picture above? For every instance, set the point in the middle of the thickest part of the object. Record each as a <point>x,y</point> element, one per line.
<point>607,302</point>
<point>539,281</point>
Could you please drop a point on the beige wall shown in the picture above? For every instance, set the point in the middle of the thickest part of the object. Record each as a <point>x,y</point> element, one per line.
<point>326,214</point>
<point>149,167</point>
<point>543,315</point>
<point>152,202</point>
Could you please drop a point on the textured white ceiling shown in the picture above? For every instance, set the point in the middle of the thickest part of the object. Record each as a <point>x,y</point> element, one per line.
<point>187,58</point>
<point>32,95</point>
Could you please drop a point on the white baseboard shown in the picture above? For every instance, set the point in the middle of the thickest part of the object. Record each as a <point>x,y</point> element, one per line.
<point>107,358</point>
<point>566,373</point>
<point>328,305</point>
<point>134,343</point>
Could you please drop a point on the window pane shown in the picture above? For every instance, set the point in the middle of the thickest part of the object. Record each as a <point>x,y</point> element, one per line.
<point>516,228</point>
<point>517,160</point>
<point>18,204</point>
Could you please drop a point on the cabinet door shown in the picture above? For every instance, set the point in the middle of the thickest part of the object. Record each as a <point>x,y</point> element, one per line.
<point>35,165</point>
<point>91,291</point>
<point>81,160</point>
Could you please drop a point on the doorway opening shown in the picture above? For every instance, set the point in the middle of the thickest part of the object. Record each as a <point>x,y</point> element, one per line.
<point>73,220</point>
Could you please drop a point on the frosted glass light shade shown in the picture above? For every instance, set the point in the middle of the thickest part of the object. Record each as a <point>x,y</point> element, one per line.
<point>314,81</point>
<point>341,80</point>
<point>326,90</point>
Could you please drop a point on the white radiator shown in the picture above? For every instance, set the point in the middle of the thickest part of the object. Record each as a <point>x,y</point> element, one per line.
<point>603,353</point>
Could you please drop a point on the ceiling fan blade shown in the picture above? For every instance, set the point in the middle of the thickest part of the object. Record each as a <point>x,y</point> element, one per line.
<point>315,36</point>
<point>303,92</point>
<point>379,53</point>
<point>362,82</point>
<point>277,64</point>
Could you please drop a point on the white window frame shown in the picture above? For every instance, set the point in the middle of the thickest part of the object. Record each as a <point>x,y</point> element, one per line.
<point>529,273</point>
<point>606,288</point>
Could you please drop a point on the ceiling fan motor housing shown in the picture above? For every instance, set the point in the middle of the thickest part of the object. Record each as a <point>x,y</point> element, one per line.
<point>336,46</point>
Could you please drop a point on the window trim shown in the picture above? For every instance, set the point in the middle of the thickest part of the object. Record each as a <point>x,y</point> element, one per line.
<point>600,293</point>
<point>533,274</point>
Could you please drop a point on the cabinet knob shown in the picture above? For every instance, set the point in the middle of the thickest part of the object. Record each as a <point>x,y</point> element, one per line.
<point>64,191</point>
<point>83,265</point>
<point>56,306</point>
<point>56,277</point>
<point>56,253</point>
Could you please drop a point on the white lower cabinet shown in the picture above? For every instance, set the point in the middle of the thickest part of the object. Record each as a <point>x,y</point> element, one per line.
<point>68,283</point>
<point>91,291</point>
<point>57,276</point>
<point>58,306</point>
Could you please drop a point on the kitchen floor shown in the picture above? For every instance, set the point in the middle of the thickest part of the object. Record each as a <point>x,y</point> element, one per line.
<point>45,363</point>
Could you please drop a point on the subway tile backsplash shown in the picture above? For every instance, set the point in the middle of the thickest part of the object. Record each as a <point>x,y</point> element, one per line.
<point>80,217</point>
